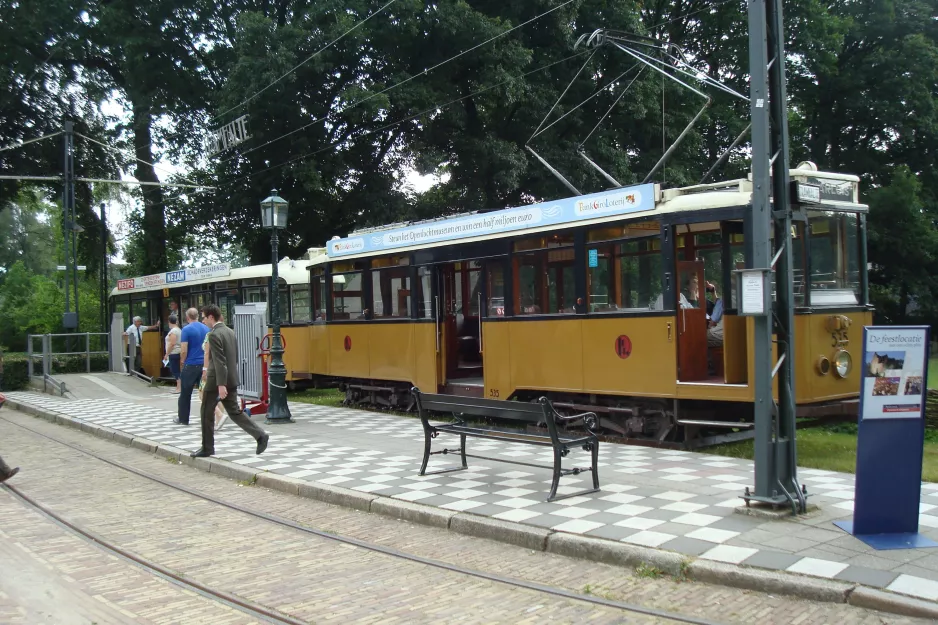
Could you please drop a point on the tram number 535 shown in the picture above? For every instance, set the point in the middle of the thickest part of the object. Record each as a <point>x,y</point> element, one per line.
<point>839,337</point>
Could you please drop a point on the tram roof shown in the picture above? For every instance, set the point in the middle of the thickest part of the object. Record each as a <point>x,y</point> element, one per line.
<point>636,203</point>
<point>290,271</point>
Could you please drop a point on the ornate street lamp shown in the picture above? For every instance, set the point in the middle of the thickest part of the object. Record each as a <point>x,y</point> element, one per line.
<point>274,216</point>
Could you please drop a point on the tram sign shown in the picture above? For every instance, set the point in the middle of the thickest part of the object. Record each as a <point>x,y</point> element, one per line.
<point>228,136</point>
<point>220,270</point>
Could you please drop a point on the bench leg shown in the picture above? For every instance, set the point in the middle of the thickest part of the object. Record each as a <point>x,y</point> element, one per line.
<point>595,453</point>
<point>426,451</point>
<point>555,482</point>
<point>462,450</point>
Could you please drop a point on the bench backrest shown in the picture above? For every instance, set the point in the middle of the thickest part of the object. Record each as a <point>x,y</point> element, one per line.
<point>539,412</point>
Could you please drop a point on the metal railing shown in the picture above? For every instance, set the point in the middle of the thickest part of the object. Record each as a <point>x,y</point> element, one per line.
<point>71,341</point>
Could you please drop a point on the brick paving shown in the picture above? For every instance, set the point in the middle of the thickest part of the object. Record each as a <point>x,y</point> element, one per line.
<point>667,499</point>
<point>49,575</point>
<point>323,581</point>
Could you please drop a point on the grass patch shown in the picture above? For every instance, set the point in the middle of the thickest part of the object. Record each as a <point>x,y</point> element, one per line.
<point>319,396</point>
<point>832,448</point>
<point>647,571</point>
<point>933,373</point>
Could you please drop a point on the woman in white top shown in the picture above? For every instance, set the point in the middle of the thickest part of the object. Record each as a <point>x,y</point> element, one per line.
<point>174,348</point>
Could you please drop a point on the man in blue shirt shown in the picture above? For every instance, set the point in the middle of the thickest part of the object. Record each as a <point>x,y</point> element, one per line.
<point>192,359</point>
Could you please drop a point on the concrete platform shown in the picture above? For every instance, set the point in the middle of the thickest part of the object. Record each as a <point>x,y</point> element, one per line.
<point>677,501</point>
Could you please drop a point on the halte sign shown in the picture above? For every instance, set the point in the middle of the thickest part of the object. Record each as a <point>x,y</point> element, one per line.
<point>635,199</point>
<point>229,136</point>
<point>220,270</point>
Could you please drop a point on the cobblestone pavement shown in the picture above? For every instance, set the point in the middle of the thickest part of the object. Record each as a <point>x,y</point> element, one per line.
<point>667,499</point>
<point>306,576</point>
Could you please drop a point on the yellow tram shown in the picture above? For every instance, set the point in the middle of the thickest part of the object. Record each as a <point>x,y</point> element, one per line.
<point>621,302</point>
<point>151,297</point>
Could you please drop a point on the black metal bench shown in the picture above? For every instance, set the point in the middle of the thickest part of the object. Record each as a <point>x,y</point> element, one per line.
<point>529,413</point>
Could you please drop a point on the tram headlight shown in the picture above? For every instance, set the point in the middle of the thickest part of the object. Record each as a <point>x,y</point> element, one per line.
<point>823,365</point>
<point>843,363</point>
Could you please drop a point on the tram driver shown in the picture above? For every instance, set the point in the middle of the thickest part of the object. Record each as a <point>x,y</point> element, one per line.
<point>136,330</point>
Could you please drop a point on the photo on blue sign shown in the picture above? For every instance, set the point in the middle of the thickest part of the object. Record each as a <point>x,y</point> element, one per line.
<point>913,385</point>
<point>879,364</point>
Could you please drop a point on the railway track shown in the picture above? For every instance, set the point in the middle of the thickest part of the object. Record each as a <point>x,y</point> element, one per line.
<point>268,615</point>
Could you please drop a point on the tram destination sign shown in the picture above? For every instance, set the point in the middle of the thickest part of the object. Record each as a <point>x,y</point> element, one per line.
<point>228,136</point>
<point>637,199</point>
<point>219,270</point>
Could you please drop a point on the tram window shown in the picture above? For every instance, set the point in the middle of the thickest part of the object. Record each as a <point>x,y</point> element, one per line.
<point>391,292</point>
<point>122,306</point>
<point>424,293</point>
<point>318,285</point>
<point>546,282</point>
<point>835,258</point>
<point>300,304</point>
<point>496,290</point>
<point>347,300</point>
<point>627,276</point>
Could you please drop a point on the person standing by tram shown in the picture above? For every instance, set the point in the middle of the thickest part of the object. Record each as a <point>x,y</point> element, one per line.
<point>193,359</point>
<point>136,330</point>
<point>174,349</point>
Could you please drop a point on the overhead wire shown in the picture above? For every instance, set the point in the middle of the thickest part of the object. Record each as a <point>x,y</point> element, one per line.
<point>399,84</point>
<point>27,142</point>
<point>411,117</point>
<point>304,62</point>
<point>139,160</point>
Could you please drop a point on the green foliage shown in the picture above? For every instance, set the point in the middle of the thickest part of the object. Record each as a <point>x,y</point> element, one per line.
<point>34,304</point>
<point>903,248</point>
<point>16,369</point>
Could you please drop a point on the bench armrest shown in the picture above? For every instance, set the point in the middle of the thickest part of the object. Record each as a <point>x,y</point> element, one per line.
<point>590,419</point>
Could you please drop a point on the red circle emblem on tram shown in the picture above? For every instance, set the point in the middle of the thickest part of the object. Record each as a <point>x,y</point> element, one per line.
<point>348,343</point>
<point>623,346</point>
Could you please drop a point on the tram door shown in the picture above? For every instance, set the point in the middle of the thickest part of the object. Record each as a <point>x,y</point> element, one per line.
<point>460,303</point>
<point>691,322</point>
<point>448,321</point>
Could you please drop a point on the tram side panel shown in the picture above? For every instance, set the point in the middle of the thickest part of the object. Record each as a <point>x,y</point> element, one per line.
<point>630,355</point>
<point>616,356</point>
<point>319,349</point>
<point>296,354</point>
<point>391,352</point>
<point>348,350</point>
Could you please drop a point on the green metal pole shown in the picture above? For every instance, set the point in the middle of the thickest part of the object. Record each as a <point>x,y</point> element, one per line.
<point>278,411</point>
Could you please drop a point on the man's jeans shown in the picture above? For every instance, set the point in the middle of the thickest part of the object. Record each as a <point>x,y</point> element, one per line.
<point>191,374</point>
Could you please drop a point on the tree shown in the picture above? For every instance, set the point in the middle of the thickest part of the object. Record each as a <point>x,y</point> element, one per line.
<point>26,235</point>
<point>903,249</point>
<point>149,51</point>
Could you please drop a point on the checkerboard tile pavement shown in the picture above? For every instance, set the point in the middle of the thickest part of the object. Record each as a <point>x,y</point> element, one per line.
<point>670,499</point>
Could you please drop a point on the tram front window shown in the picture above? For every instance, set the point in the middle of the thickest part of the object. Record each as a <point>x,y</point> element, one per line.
<point>835,258</point>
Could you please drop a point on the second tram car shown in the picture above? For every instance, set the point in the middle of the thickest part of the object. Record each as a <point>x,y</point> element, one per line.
<point>149,297</point>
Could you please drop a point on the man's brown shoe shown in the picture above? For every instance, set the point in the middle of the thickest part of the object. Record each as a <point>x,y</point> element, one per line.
<point>6,476</point>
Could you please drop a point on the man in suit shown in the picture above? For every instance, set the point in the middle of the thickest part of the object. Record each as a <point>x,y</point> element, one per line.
<point>221,382</point>
<point>5,471</point>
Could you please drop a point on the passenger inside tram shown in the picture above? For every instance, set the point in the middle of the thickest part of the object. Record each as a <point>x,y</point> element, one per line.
<point>714,317</point>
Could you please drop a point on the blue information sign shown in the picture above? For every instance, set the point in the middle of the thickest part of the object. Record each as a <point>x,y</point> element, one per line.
<point>612,203</point>
<point>891,438</point>
<point>594,258</point>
